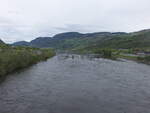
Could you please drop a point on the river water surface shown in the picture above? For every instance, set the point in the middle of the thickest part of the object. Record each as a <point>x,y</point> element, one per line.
<point>78,84</point>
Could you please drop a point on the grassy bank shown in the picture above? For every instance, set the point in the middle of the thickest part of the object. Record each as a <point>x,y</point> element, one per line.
<point>99,52</point>
<point>109,53</point>
<point>15,58</point>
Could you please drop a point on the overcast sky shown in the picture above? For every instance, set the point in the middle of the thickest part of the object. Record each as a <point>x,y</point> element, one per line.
<point>28,19</point>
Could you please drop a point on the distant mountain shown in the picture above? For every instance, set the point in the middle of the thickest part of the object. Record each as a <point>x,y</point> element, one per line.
<point>70,39</point>
<point>21,43</point>
<point>75,40</point>
<point>1,41</point>
<point>41,42</point>
<point>140,39</point>
<point>3,45</point>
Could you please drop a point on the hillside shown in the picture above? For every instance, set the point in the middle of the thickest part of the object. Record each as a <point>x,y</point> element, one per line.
<point>68,40</point>
<point>1,41</point>
<point>139,39</point>
<point>21,43</point>
<point>75,40</point>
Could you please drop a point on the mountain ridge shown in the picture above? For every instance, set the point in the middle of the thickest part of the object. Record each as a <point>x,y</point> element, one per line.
<point>1,41</point>
<point>72,40</point>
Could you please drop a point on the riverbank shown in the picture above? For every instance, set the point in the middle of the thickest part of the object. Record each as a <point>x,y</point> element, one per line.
<point>77,84</point>
<point>15,58</point>
<point>114,54</point>
<point>140,59</point>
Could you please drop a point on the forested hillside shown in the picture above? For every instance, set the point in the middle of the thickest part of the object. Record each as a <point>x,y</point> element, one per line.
<point>74,40</point>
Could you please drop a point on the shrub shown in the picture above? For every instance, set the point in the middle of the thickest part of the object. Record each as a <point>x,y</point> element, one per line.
<point>106,53</point>
<point>147,58</point>
<point>14,58</point>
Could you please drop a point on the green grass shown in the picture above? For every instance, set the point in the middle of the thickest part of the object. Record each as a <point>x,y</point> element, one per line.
<point>110,53</point>
<point>127,57</point>
<point>15,58</point>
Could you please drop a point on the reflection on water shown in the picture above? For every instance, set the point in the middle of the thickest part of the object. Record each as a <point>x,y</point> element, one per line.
<point>71,83</point>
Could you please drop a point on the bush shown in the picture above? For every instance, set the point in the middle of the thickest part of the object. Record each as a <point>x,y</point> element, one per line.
<point>106,53</point>
<point>145,59</point>
<point>14,58</point>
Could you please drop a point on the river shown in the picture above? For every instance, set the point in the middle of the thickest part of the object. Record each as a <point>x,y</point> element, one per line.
<point>78,84</point>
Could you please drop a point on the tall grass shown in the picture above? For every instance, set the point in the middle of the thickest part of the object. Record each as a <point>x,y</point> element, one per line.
<point>14,58</point>
<point>145,59</point>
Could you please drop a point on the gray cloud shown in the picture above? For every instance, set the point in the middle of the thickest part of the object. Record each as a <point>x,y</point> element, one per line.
<point>80,28</point>
<point>27,19</point>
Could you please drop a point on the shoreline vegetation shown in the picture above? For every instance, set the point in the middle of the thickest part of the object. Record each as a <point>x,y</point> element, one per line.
<point>16,58</point>
<point>136,54</point>
<point>13,58</point>
<point>112,45</point>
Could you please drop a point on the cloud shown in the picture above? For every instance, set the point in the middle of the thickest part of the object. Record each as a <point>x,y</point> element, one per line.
<point>28,19</point>
<point>80,28</point>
